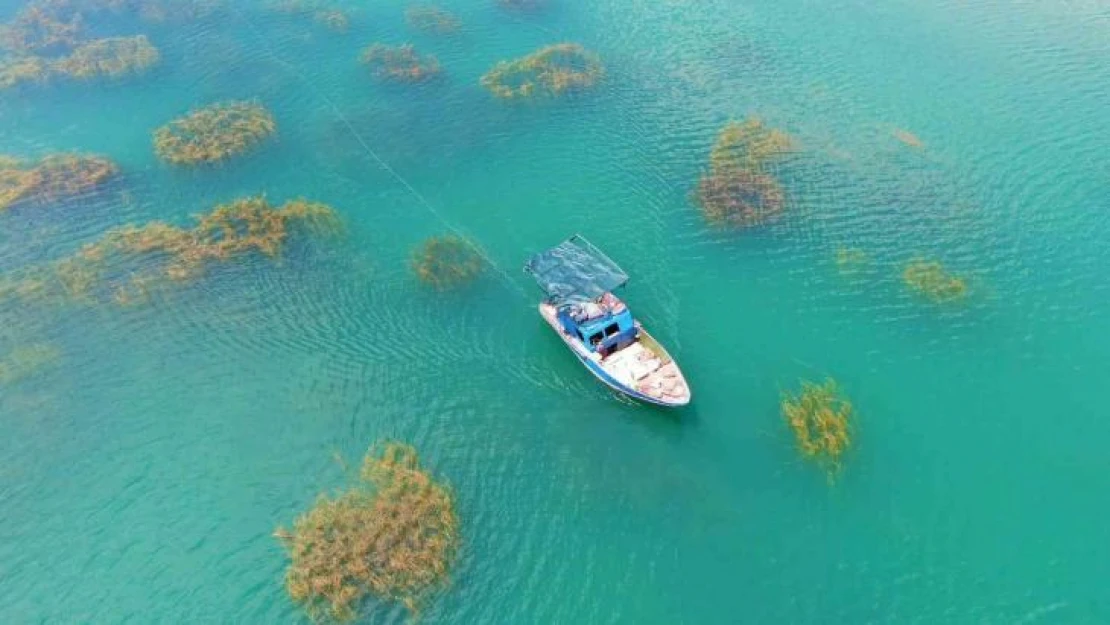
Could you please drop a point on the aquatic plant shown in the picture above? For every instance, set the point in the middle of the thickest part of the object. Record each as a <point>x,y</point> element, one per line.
<point>393,535</point>
<point>550,71</point>
<point>851,259</point>
<point>736,190</point>
<point>819,417</point>
<point>399,63</point>
<point>26,360</point>
<point>214,133</point>
<point>129,261</point>
<point>160,11</point>
<point>23,69</point>
<point>172,11</point>
<point>333,19</point>
<point>740,197</point>
<point>747,145</point>
<point>113,57</point>
<point>446,261</point>
<point>55,177</point>
<point>432,19</point>
<point>931,279</point>
<point>38,30</point>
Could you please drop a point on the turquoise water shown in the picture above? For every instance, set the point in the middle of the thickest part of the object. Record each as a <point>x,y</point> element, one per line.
<point>143,472</point>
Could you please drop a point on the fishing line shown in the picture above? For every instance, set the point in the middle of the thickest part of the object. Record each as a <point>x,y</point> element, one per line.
<point>381,162</point>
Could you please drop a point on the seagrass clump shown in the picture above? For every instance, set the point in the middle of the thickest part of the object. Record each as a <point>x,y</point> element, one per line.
<point>129,262</point>
<point>112,57</point>
<point>399,63</point>
<point>820,418</point>
<point>740,197</point>
<point>550,71</point>
<point>432,19</point>
<point>748,145</point>
<point>333,19</point>
<point>850,260</point>
<point>228,231</point>
<point>26,360</point>
<point>930,279</point>
<point>40,30</point>
<point>393,536</point>
<point>736,189</point>
<point>55,177</point>
<point>158,11</point>
<point>20,70</point>
<point>214,133</point>
<point>445,262</point>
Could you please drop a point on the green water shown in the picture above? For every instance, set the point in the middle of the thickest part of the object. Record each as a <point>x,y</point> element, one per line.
<point>142,473</point>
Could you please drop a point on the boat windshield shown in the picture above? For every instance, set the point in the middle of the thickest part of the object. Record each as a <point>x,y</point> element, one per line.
<point>575,271</point>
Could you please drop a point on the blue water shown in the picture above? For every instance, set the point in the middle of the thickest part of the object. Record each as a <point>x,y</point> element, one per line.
<point>143,471</point>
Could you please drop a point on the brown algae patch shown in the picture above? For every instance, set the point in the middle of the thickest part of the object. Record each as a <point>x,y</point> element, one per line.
<point>930,279</point>
<point>38,30</point>
<point>393,536</point>
<point>736,190</point>
<point>446,262</point>
<point>333,19</point>
<point>113,57</point>
<point>550,71</point>
<point>748,145</point>
<point>214,133</point>
<point>27,360</point>
<point>851,260</point>
<point>55,177</point>
<point>126,263</point>
<point>819,416</point>
<point>399,63</point>
<point>432,19</point>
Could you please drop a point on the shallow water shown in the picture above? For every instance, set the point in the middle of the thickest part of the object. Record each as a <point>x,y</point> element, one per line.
<point>143,470</point>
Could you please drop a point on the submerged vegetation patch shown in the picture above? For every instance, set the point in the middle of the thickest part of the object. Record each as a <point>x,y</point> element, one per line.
<point>819,416</point>
<point>55,177</point>
<point>393,536</point>
<point>127,262</point>
<point>399,63</point>
<point>550,71</point>
<point>214,133</point>
<point>446,261</point>
<point>333,19</point>
<point>851,260</point>
<point>158,11</point>
<point>736,190</point>
<point>930,279</point>
<point>25,361</point>
<point>112,57</point>
<point>38,30</point>
<point>432,19</point>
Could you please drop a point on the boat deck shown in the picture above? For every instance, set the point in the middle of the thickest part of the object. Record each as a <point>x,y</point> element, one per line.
<point>651,373</point>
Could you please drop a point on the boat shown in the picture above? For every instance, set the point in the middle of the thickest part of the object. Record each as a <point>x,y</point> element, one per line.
<point>599,328</point>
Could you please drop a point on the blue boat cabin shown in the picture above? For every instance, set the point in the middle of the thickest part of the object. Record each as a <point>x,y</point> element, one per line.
<point>604,326</point>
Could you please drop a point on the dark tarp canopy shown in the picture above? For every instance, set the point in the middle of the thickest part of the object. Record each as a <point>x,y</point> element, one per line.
<point>575,270</point>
